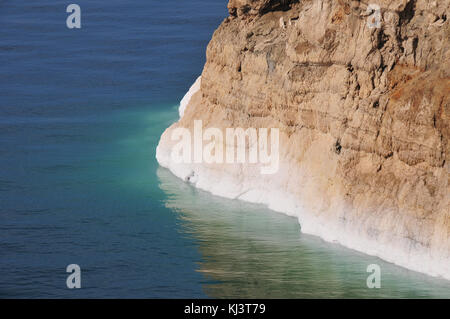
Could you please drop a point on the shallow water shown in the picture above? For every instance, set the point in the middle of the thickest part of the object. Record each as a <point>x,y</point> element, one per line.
<point>252,252</point>
<point>81,112</point>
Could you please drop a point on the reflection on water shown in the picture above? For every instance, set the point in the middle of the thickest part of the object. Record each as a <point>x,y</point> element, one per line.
<point>249,251</point>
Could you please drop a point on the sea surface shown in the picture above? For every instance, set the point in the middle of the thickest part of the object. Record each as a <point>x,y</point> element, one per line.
<point>81,113</point>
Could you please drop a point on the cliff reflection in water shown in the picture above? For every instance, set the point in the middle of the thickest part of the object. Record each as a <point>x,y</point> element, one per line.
<point>249,251</point>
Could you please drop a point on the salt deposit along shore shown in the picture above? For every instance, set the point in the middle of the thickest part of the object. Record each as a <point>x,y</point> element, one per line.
<point>363,121</point>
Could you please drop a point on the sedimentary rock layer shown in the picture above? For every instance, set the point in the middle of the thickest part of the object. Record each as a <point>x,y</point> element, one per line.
<point>363,114</point>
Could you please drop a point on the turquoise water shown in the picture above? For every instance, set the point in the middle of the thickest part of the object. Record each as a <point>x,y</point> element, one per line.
<point>80,117</point>
<point>252,252</point>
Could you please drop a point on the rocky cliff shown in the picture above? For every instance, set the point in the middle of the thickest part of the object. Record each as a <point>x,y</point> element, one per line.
<point>363,114</point>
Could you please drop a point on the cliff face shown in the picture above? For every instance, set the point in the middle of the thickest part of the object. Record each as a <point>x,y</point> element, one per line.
<point>363,115</point>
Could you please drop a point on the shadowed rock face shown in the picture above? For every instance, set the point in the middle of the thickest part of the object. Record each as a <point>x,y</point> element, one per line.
<point>363,115</point>
<point>257,7</point>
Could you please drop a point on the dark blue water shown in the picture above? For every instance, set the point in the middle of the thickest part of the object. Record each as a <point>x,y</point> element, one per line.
<point>81,112</point>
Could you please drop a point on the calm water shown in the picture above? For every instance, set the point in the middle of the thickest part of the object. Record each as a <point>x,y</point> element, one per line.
<point>81,112</point>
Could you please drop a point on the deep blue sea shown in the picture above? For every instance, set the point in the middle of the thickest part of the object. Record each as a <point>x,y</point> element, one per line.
<point>81,112</point>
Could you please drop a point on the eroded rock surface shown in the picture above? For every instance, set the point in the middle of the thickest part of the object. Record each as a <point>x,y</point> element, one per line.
<point>363,114</point>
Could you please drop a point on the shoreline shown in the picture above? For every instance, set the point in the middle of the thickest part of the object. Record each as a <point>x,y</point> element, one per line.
<point>244,183</point>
